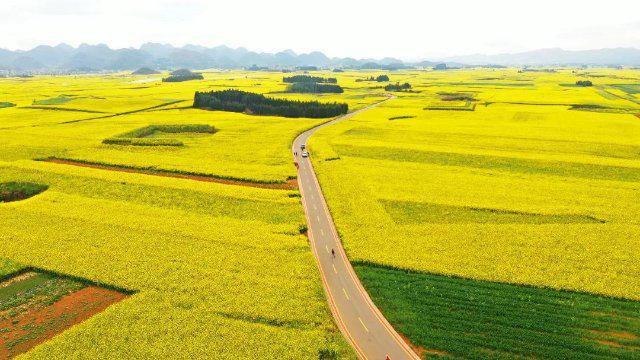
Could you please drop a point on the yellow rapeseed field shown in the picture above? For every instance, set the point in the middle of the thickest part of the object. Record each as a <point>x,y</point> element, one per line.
<point>537,185</point>
<point>518,177</point>
<point>219,270</point>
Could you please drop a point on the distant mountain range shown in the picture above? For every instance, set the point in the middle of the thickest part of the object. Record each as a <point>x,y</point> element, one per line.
<point>547,57</point>
<point>87,58</point>
<point>93,58</point>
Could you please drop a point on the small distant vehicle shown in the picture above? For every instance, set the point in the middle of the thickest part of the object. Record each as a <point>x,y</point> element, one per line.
<point>303,146</point>
<point>305,154</point>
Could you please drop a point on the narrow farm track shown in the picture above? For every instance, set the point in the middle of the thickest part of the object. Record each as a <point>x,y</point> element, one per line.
<point>359,319</point>
<point>290,184</point>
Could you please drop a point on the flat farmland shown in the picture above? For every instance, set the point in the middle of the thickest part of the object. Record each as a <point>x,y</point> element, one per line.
<point>522,181</point>
<point>216,268</point>
<point>490,213</point>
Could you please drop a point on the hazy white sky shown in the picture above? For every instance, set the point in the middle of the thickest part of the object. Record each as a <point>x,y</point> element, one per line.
<point>408,29</point>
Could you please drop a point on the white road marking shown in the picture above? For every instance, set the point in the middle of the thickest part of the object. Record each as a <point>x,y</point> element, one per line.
<point>318,217</point>
<point>345,293</point>
<point>363,325</point>
<point>322,231</point>
<point>334,268</point>
<point>315,207</point>
<point>327,247</point>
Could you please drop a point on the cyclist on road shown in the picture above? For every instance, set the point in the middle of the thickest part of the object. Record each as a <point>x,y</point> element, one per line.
<point>333,253</point>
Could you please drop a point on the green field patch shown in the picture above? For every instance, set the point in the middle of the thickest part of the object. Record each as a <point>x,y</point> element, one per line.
<point>155,135</point>
<point>605,94</point>
<point>462,318</point>
<point>452,106</point>
<point>630,89</point>
<point>36,305</point>
<point>455,101</point>
<point>58,100</point>
<point>516,165</point>
<point>6,104</point>
<point>410,212</point>
<point>16,191</point>
<point>603,109</point>
<point>456,96</point>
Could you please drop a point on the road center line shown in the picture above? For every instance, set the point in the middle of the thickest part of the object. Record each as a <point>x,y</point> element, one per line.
<point>345,293</point>
<point>363,325</point>
<point>334,268</point>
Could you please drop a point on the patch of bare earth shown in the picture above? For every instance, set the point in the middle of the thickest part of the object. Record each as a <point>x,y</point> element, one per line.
<point>291,184</point>
<point>38,323</point>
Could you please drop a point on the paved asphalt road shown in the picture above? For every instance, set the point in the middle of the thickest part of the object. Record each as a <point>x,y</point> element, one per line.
<point>358,318</point>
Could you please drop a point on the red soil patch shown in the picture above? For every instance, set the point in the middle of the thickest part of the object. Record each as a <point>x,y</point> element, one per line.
<point>421,351</point>
<point>291,184</point>
<point>39,324</point>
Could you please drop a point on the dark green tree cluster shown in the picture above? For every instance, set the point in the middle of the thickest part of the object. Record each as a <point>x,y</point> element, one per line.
<point>183,75</point>
<point>379,78</point>
<point>309,79</point>
<point>398,87</point>
<point>314,88</point>
<point>257,104</point>
<point>584,83</point>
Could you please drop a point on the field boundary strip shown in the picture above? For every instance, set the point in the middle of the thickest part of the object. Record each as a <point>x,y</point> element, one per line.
<point>126,112</point>
<point>289,184</point>
<point>85,281</point>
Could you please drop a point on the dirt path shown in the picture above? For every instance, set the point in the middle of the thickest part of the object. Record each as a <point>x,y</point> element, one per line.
<point>290,184</point>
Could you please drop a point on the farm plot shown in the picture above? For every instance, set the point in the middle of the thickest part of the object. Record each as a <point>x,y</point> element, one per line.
<point>520,192</point>
<point>461,318</point>
<point>217,270</point>
<point>35,306</point>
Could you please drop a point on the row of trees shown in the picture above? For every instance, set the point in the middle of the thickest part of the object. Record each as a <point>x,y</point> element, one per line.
<point>314,88</point>
<point>398,87</point>
<point>258,104</point>
<point>309,79</point>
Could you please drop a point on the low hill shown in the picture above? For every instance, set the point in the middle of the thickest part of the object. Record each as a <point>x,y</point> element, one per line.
<point>145,71</point>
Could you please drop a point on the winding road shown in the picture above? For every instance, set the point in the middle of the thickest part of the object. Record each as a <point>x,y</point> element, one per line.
<point>358,318</point>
